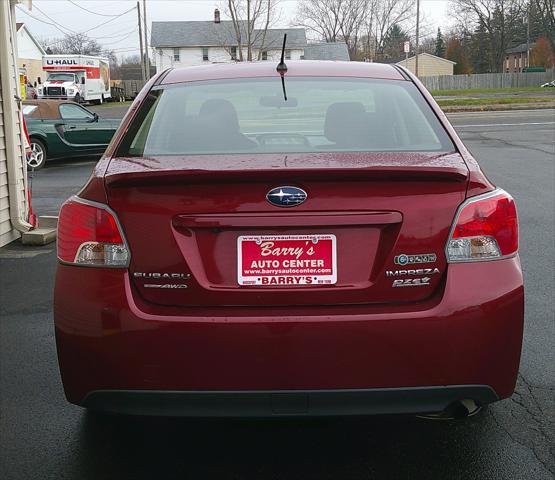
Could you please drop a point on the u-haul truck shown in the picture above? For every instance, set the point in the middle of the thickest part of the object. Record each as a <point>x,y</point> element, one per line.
<point>81,78</point>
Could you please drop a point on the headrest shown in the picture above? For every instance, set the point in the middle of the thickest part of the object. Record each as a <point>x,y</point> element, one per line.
<point>344,121</point>
<point>220,112</point>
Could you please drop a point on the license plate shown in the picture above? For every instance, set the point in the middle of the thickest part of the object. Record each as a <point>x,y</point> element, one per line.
<point>274,260</point>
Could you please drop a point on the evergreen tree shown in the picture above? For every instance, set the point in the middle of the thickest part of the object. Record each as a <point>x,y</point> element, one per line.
<point>440,44</point>
<point>393,42</point>
<point>479,50</point>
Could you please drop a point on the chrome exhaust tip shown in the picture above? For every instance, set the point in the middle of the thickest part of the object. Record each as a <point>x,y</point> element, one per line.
<point>455,411</point>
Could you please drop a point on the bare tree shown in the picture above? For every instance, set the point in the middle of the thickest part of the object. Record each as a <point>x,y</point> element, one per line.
<point>251,20</point>
<point>500,19</point>
<point>321,17</point>
<point>78,43</point>
<point>546,11</point>
<point>362,24</point>
<point>383,16</point>
<point>334,20</point>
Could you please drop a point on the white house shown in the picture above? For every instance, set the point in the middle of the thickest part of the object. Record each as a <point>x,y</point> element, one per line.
<point>14,208</point>
<point>178,44</point>
<point>29,55</point>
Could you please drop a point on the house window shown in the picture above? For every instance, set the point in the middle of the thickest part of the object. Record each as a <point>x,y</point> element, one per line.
<point>287,54</point>
<point>176,57</point>
<point>264,55</point>
<point>233,53</point>
<point>205,54</point>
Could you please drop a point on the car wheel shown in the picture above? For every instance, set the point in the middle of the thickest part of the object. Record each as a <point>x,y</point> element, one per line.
<point>77,98</point>
<point>37,159</point>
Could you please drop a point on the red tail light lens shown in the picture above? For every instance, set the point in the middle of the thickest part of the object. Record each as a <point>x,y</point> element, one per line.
<point>485,228</point>
<point>89,234</point>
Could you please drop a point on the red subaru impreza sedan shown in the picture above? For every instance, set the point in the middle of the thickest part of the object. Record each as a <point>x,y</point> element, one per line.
<point>316,241</point>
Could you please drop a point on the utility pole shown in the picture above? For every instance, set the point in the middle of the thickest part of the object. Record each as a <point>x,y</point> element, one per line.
<point>417,46</point>
<point>141,42</point>
<point>147,59</point>
<point>528,36</point>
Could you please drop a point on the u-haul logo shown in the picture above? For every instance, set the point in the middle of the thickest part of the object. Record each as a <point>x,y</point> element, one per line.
<point>60,61</point>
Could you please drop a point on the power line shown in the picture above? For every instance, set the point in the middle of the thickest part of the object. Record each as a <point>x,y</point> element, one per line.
<point>61,27</point>
<point>91,11</point>
<point>56,24</point>
<point>111,20</point>
<point>124,35</point>
<point>41,20</point>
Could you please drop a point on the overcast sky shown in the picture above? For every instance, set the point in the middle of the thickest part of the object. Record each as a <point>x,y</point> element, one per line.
<point>49,18</point>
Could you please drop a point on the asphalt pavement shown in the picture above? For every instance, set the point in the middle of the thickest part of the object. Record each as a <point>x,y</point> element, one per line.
<point>43,437</point>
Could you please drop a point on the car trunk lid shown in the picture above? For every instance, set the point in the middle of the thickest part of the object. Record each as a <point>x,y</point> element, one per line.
<point>196,224</point>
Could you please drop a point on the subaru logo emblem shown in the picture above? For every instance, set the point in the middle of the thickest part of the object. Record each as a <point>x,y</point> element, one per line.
<point>286,196</point>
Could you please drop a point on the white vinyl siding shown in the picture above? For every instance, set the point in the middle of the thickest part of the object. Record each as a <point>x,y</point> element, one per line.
<point>190,56</point>
<point>7,232</point>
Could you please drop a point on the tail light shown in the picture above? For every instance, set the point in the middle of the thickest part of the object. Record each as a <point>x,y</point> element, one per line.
<point>89,234</point>
<point>485,228</point>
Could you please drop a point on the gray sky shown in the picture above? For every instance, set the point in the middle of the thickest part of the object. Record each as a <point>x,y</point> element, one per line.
<point>52,17</point>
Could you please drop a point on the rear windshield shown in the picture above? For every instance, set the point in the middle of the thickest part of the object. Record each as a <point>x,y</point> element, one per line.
<point>253,116</point>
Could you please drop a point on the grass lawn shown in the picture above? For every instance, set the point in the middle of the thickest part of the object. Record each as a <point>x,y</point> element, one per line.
<point>491,101</point>
<point>486,91</point>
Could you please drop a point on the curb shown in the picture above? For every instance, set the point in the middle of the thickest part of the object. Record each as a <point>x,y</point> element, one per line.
<point>44,234</point>
<point>498,107</point>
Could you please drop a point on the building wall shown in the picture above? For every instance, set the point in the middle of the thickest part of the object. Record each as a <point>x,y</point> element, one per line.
<point>7,232</point>
<point>29,56</point>
<point>428,66</point>
<point>33,69</point>
<point>515,62</point>
<point>26,47</point>
<point>190,56</point>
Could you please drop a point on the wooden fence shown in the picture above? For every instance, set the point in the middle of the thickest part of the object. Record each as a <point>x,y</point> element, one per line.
<point>487,80</point>
<point>127,88</point>
<point>440,82</point>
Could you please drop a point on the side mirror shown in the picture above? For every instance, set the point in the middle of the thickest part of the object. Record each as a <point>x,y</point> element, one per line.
<point>95,117</point>
<point>82,80</point>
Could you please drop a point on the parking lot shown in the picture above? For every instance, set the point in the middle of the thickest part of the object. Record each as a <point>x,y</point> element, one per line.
<point>43,437</point>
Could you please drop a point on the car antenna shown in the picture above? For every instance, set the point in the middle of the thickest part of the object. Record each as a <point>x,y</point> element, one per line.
<point>282,67</point>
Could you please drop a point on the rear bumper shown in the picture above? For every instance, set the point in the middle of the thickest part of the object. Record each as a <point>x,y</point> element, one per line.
<point>286,403</point>
<point>468,335</point>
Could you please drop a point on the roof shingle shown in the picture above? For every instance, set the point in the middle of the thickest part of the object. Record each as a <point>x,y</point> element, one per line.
<point>326,51</point>
<point>209,33</point>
